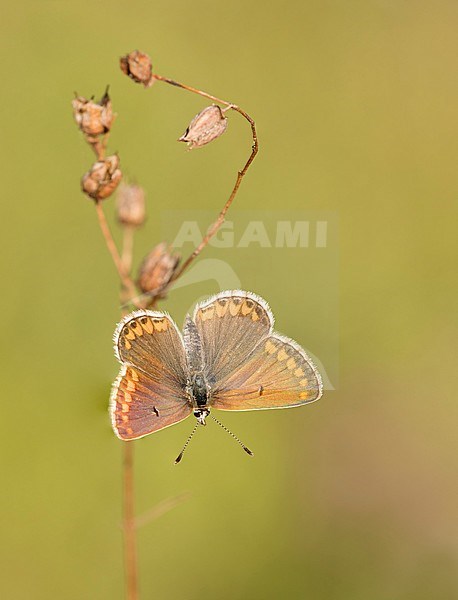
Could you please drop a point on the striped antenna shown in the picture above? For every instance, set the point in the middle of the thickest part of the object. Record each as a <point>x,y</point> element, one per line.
<point>247,450</point>
<point>180,456</point>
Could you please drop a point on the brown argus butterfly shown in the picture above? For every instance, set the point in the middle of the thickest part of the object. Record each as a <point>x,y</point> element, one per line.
<point>228,358</point>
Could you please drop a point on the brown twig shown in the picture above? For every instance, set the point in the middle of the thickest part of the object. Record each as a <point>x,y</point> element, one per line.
<point>127,248</point>
<point>123,265</point>
<point>254,150</point>
<point>130,542</point>
<point>160,509</point>
<point>117,260</point>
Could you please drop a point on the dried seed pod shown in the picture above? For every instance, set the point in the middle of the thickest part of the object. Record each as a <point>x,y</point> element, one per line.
<point>130,205</point>
<point>102,179</point>
<point>205,127</point>
<point>157,269</point>
<point>137,65</point>
<point>93,118</point>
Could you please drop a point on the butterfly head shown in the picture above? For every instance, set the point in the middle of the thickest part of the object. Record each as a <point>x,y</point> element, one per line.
<point>201,414</point>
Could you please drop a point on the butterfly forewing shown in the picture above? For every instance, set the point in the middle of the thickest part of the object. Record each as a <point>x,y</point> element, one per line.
<point>149,393</point>
<point>151,341</point>
<point>277,374</point>
<point>140,405</point>
<point>230,326</point>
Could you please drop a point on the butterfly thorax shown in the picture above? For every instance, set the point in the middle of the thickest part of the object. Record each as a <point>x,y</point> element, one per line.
<point>199,395</point>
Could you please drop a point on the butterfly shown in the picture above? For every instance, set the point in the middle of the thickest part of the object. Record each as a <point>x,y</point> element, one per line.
<point>228,358</point>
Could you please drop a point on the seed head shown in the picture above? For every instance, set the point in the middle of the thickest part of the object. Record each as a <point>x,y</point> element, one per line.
<point>93,118</point>
<point>205,127</point>
<point>130,205</point>
<point>137,65</point>
<point>157,269</point>
<point>102,179</point>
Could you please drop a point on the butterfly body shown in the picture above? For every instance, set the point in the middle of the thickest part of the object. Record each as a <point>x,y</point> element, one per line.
<point>197,387</point>
<point>228,358</point>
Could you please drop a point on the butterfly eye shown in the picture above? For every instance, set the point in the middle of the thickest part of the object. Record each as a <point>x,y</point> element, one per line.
<point>249,303</point>
<point>143,320</point>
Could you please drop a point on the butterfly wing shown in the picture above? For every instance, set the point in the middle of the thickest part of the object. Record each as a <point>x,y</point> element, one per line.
<point>277,374</point>
<point>140,405</point>
<point>230,326</point>
<point>149,393</point>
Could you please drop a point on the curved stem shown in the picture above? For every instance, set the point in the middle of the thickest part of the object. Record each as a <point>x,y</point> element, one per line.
<point>254,150</point>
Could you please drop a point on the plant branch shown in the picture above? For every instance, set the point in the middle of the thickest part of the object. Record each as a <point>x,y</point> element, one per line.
<point>254,150</point>
<point>123,265</point>
<point>160,509</point>
<point>117,260</point>
<point>127,248</point>
<point>130,543</point>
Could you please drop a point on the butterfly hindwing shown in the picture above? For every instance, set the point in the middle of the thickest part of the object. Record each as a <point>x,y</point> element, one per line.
<point>277,374</point>
<point>140,406</point>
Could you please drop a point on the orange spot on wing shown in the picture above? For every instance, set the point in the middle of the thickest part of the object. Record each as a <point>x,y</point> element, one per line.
<point>129,334</point>
<point>161,325</point>
<point>208,313</point>
<point>291,363</point>
<point>246,308</point>
<point>282,355</point>
<point>133,374</point>
<point>147,325</point>
<point>137,328</point>
<point>221,308</point>
<point>269,347</point>
<point>234,308</point>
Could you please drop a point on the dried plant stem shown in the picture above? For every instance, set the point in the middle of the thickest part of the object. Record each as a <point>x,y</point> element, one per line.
<point>97,146</point>
<point>219,221</point>
<point>118,262</point>
<point>254,150</point>
<point>129,525</point>
<point>161,508</point>
<point>127,248</point>
<point>123,265</point>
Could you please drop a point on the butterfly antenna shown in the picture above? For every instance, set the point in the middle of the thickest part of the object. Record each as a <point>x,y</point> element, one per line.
<point>180,456</point>
<point>247,450</point>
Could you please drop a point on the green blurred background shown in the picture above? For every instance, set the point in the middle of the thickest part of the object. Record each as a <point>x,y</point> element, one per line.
<point>354,497</point>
